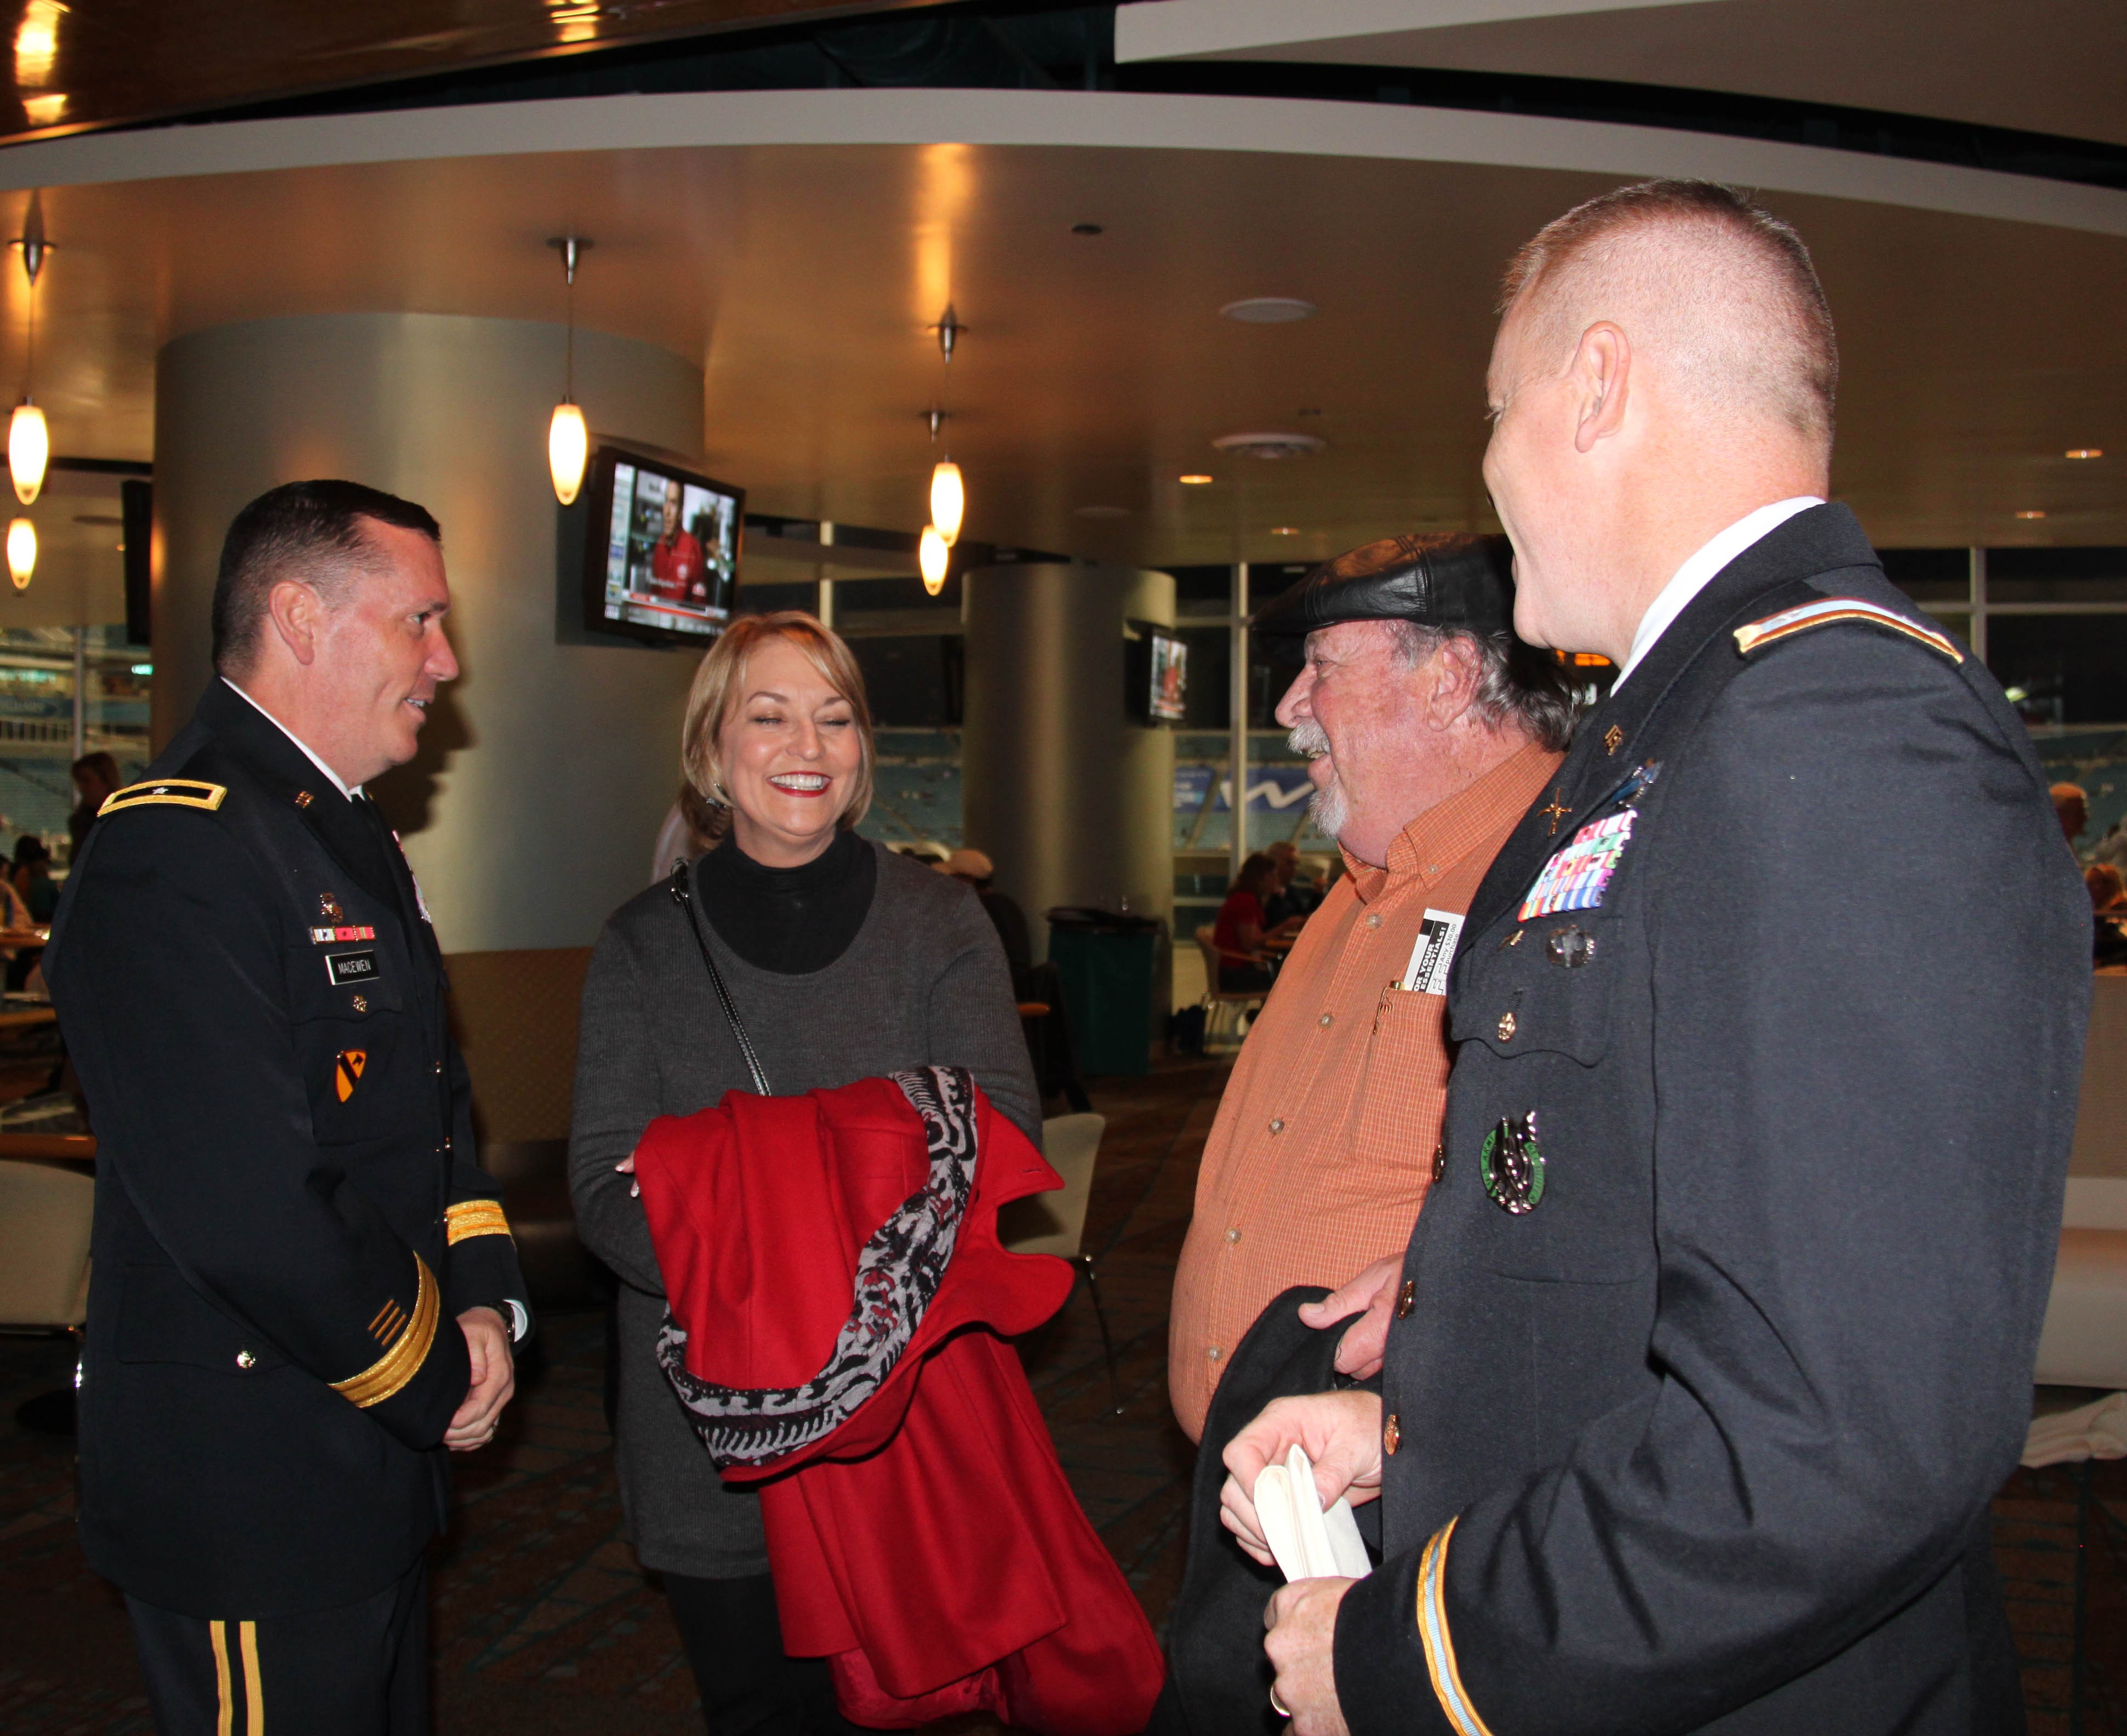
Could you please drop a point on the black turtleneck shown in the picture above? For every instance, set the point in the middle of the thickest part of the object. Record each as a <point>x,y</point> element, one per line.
<point>790,920</point>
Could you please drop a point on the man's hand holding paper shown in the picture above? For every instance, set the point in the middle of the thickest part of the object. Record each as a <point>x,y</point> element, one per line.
<point>1340,1433</point>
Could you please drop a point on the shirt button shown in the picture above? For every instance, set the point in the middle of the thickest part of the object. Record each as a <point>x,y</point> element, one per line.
<point>1373,919</point>
<point>1326,1020</point>
<point>1233,1236</point>
<point>1213,1353</point>
<point>1391,1435</point>
<point>1406,1298</point>
<point>1277,1124</point>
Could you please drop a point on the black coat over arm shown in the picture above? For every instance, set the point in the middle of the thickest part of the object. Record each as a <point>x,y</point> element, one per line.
<point>1704,1439</point>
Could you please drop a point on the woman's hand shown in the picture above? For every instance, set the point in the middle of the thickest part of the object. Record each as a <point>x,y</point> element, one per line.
<point>627,1167</point>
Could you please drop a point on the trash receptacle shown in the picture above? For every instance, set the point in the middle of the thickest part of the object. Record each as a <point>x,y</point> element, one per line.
<point>1106,961</point>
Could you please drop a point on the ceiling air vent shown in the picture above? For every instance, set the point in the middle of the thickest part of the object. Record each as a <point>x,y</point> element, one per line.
<point>1270,445</point>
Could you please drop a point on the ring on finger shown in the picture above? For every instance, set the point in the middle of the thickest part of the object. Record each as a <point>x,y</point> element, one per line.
<point>1278,1706</point>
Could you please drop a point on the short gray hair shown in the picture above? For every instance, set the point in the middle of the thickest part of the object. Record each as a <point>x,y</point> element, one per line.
<point>1519,687</point>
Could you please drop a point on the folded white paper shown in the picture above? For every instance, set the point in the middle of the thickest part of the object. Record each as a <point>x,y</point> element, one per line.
<point>1308,1543</point>
<point>2095,1431</point>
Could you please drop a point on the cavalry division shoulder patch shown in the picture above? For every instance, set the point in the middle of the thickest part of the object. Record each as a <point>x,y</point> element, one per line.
<point>1789,621</point>
<point>165,792</point>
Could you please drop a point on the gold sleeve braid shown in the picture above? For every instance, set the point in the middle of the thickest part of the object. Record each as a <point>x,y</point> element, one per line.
<point>474,1217</point>
<point>407,1353</point>
<point>1439,1648</point>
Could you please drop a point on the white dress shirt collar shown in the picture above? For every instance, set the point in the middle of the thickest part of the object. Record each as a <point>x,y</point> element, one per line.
<point>349,794</point>
<point>1700,569</point>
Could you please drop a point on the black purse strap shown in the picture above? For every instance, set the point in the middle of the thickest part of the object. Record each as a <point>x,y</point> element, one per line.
<point>683,896</point>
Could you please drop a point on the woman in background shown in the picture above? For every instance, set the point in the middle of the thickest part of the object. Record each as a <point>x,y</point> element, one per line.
<point>846,962</point>
<point>1239,933</point>
<point>96,777</point>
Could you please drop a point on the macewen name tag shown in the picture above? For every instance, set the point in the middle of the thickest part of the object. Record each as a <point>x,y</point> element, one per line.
<point>352,967</point>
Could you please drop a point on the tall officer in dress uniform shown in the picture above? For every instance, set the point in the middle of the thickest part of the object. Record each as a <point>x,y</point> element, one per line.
<point>1716,1336</point>
<point>304,1289</point>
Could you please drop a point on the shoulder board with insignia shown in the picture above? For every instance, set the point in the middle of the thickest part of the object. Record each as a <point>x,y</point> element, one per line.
<point>165,792</point>
<point>1789,621</point>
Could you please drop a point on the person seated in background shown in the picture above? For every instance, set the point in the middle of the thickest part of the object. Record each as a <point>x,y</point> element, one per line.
<point>2072,808</point>
<point>96,779</point>
<point>974,870</point>
<point>1293,900</point>
<point>1243,926</point>
<point>2108,907</point>
<point>1430,729</point>
<point>32,877</point>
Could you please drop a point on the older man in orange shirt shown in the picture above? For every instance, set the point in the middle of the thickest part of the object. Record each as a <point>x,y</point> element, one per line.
<point>1431,730</point>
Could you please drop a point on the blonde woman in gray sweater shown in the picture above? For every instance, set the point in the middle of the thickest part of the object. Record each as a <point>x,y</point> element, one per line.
<point>844,961</point>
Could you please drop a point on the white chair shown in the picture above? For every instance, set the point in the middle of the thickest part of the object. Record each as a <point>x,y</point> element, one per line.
<point>1242,1004</point>
<point>45,1217</point>
<point>1055,1222</point>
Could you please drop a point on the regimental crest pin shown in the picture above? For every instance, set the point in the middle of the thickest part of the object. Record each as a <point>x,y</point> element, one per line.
<point>329,907</point>
<point>348,1069</point>
<point>1512,1166</point>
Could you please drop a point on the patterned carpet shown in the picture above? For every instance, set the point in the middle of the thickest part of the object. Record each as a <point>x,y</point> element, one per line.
<point>544,1624</point>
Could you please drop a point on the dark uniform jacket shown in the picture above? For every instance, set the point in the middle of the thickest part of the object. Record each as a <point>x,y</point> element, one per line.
<point>288,1220</point>
<point>1702,1436</point>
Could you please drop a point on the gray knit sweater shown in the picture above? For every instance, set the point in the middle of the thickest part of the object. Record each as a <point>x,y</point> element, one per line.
<point>923,983</point>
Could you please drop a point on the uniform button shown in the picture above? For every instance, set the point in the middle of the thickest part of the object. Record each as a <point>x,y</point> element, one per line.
<point>1406,1298</point>
<point>1506,1027</point>
<point>1373,919</point>
<point>1326,1020</point>
<point>1233,1236</point>
<point>439,1069</point>
<point>1277,1124</point>
<point>245,1359</point>
<point>1214,1352</point>
<point>1439,1164</point>
<point>1391,1435</point>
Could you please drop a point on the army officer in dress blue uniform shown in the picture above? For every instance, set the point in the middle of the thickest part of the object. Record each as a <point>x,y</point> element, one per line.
<point>304,1289</point>
<point>1716,1336</point>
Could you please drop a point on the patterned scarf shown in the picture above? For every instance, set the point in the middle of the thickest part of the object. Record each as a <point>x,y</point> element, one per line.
<point>898,1273</point>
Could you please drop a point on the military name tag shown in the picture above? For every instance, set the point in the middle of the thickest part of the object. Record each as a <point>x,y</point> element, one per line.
<point>351,967</point>
<point>1434,952</point>
<point>1577,878</point>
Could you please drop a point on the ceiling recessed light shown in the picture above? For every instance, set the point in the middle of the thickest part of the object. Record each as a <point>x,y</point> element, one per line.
<point>1285,530</point>
<point>2030,513</point>
<point>2085,452</point>
<point>1104,512</point>
<point>1268,309</point>
<point>1195,479</point>
<point>1272,445</point>
<point>1087,229</point>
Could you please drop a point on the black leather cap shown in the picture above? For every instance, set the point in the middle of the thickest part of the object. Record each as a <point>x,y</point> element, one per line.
<point>1445,579</point>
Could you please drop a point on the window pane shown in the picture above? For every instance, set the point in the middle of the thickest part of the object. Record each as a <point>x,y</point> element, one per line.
<point>1931,574</point>
<point>2062,669</point>
<point>2056,575</point>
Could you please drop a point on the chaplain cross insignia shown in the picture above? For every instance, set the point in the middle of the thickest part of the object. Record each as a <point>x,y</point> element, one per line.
<point>1556,812</point>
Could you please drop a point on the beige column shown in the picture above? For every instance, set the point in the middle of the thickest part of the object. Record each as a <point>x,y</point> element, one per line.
<point>548,765</point>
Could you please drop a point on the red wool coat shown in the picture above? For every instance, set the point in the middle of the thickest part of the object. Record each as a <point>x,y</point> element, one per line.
<point>928,1545</point>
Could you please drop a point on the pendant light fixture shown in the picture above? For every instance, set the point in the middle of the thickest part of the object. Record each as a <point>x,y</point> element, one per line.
<point>22,552</point>
<point>568,439</point>
<point>29,440</point>
<point>932,555</point>
<point>949,490</point>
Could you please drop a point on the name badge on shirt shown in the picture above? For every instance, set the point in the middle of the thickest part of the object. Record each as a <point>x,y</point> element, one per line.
<point>1434,952</point>
<point>351,967</point>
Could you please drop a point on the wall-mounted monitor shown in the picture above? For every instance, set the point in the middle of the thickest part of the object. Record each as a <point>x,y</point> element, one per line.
<point>661,562</point>
<point>1156,667</point>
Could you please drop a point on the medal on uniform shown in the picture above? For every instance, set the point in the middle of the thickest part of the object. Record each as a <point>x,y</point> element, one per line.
<point>1512,1166</point>
<point>329,907</point>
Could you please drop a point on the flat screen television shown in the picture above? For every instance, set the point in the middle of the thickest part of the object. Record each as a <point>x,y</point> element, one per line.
<point>661,557</point>
<point>1158,674</point>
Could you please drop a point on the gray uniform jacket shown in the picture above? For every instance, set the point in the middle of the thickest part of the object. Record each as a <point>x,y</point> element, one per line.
<point>923,983</point>
<point>1704,1438</point>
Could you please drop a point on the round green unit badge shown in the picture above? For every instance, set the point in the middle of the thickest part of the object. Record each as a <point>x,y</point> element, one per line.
<point>1512,1166</point>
